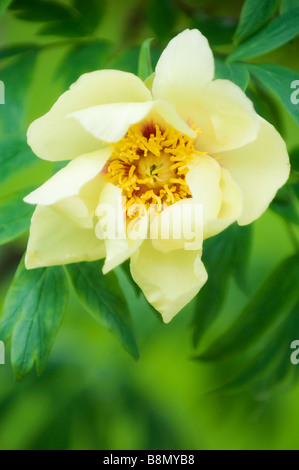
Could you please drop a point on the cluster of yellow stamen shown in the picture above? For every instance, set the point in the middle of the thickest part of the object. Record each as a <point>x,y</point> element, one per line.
<point>150,165</point>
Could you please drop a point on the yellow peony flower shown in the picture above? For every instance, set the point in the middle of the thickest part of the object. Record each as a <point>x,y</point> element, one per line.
<point>182,142</point>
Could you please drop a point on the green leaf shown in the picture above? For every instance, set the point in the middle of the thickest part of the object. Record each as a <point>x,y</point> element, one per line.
<point>16,91</point>
<point>277,294</point>
<point>42,10</point>
<point>219,30</point>
<point>224,255</point>
<point>15,155</point>
<point>102,297</point>
<point>10,51</point>
<point>145,68</point>
<point>278,80</point>
<point>236,72</point>
<point>161,15</point>
<point>15,216</point>
<point>126,269</point>
<point>3,6</point>
<point>286,5</point>
<point>83,59</point>
<point>285,205</point>
<point>32,314</point>
<point>276,33</point>
<point>254,14</point>
<point>91,11</point>
<point>265,104</point>
<point>294,158</point>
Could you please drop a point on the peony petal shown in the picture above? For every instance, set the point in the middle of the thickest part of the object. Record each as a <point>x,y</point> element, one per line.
<point>112,228</point>
<point>185,67</point>
<point>110,122</point>
<point>74,191</point>
<point>178,226</point>
<point>168,280</point>
<point>223,113</point>
<point>260,169</point>
<point>231,206</point>
<point>54,241</point>
<point>52,137</point>
<point>203,179</point>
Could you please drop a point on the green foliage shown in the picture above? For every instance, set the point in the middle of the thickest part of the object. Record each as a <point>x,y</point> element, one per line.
<point>286,5</point>
<point>261,313</point>
<point>81,59</point>
<point>161,16</point>
<point>276,33</point>
<point>15,155</point>
<point>3,6</point>
<point>278,80</point>
<point>254,14</point>
<point>32,314</point>
<point>285,204</point>
<point>225,255</point>
<point>102,297</point>
<point>145,68</point>
<point>218,29</point>
<point>235,72</point>
<point>75,20</point>
<point>16,91</point>
<point>15,216</point>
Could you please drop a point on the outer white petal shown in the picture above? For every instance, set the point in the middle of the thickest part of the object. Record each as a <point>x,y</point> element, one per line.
<point>185,67</point>
<point>260,169</point>
<point>53,241</point>
<point>112,228</point>
<point>110,122</point>
<point>74,191</point>
<point>53,137</point>
<point>178,226</point>
<point>168,280</point>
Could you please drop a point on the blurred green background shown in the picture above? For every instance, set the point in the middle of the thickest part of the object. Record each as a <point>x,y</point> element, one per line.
<point>93,395</point>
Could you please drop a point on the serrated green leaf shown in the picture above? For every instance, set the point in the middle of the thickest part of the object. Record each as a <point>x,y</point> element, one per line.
<point>32,314</point>
<point>276,33</point>
<point>15,216</point>
<point>102,297</point>
<point>224,255</point>
<point>83,59</point>
<point>254,14</point>
<point>286,5</point>
<point>15,155</point>
<point>145,68</point>
<point>236,72</point>
<point>278,80</point>
<point>4,5</point>
<point>278,293</point>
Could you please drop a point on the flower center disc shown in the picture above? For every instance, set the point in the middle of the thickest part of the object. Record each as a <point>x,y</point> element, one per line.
<point>149,164</point>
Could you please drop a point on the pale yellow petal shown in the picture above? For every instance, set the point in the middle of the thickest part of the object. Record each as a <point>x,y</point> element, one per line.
<point>112,228</point>
<point>74,190</point>
<point>111,122</point>
<point>168,280</point>
<point>185,67</point>
<point>54,241</point>
<point>178,226</point>
<point>54,137</point>
<point>260,169</point>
